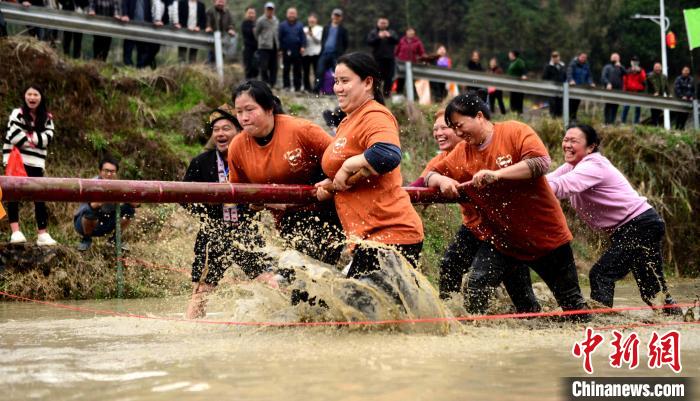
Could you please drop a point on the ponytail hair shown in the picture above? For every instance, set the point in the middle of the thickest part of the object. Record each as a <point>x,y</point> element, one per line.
<point>261,93</point>
<point>364,66</point>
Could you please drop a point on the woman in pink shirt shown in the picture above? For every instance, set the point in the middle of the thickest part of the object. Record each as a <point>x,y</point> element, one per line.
<point>605,200</point>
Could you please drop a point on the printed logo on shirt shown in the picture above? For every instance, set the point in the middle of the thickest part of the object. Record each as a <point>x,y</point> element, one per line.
<point>339,145</point>
<point>504,161</point>
<point>294,158</point>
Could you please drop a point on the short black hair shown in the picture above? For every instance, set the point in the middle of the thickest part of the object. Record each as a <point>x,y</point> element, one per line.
<point>261,93</point>
<point>469,104</point>
<point>516,53</point>
<point>108,159</point>
<point>592,137</point>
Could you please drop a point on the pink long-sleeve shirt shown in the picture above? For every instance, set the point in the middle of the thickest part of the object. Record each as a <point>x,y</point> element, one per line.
<point>599,192</point>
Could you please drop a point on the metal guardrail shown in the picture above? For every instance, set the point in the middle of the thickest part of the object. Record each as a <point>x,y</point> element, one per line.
<point>543,88</point>
<point>107,26</point>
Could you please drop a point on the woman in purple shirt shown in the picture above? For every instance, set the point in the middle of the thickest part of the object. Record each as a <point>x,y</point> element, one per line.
<point>605,200</point>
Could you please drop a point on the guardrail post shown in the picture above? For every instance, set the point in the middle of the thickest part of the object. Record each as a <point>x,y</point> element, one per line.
<point>219,56</point>
<point>696,114</point>
<point>565,104</point>
<point>118,247</point>
<point>410,96</point>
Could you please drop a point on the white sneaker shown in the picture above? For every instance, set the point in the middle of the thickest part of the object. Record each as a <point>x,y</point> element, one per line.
<point>17,238</point>
<point>44,239</point>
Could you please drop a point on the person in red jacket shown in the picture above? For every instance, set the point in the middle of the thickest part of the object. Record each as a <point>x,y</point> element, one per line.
<point>410,48</point>
<point>633,81</point>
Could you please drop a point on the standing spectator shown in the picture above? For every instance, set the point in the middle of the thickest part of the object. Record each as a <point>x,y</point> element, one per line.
<point>474,63</point>
<point>3,33</point>
<point>438,90</point>
<point>684,89</point>
<point>578,73</point>
<point>268,43</point>
<point>516,69</point>
<point>634,81</point>
<point>410,49</point>
<point>657,85</point>
<point>39,33</point>
<point>292,43</point>
<point>314,34</point>
<point>383,42</point>
<point>165,12</point>
<point>192,15</point>
<point>219,19</point>
<point>30,130</point>
<point>75,38</point>
<point>138,11</point>
<point>612,77</point>
<point>250,44</point>
<point>97,219</point>
<point>105,8</point>
<point>334,42</point>
<point>495,94</point>
<point>555,71</point>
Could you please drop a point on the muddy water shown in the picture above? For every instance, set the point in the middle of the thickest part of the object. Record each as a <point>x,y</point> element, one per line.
<point>54,354</point>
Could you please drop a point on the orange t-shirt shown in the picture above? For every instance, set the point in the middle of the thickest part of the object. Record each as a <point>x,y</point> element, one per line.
<point>293,156</point>
<point>526,218</point>
<point>376,207</point>
<point>435,160</point>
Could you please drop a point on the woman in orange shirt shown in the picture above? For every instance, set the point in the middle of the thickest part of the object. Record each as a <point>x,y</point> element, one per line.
<point>375,208</point>
<point>281,149</point>
<point>501,168</point>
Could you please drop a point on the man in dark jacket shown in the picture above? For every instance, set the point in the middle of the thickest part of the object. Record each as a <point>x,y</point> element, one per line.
<point>578,73</point>
<point>684,89</point>
<point>383,41</point>
<point>292,43</point>
<point>334,43</point>
<point>612,77</point>
<point>139,11</point>
<point>555,71</point>
<point>657,85</point>
<point>193,17</point>
<point>250,44</point>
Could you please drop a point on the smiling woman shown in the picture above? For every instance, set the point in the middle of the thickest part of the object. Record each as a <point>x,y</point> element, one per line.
<point>518,221</point>
<point>375,208</point>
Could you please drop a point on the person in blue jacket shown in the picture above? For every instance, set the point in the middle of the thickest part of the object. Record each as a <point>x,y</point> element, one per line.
<point>578,73</point>
<point>292,43</point>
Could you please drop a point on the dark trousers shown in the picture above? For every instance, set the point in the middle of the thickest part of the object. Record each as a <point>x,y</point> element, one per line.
<point>438,91</point>
<point>636,247</point>
<point>100,47</point>
<point>656,117</point>
<point>219,245</point>
<point>457,260</point>
<point>291,63</point>
<point>516,102</point>
<point>325,62</point>
<point>573,108</point>
<point>556,107</point>
<point>267,63</point>
<point>317,233</point>
<point>41,213</point>
<point>610,111</point>
<point>366,259</point>
<point>143,53</point>
<point>309,62</point>
<point>626,110</point>
<point>679,120</point>
<point>250,63</point>
<point>77,39</point>
<point>493,98</point>
<point>557,269</point>
<point>185,55</point>
<point>387,66</point>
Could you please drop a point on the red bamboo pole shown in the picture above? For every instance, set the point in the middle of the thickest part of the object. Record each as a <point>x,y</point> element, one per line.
<point>92,190</point>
